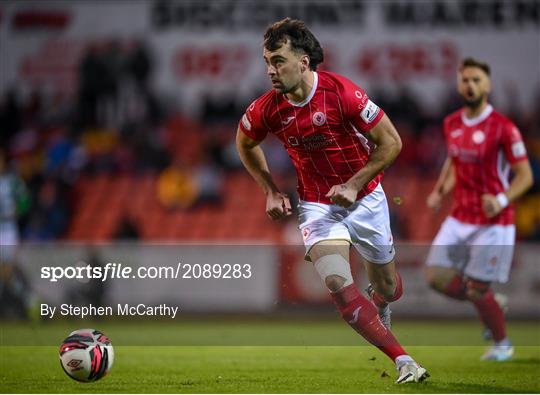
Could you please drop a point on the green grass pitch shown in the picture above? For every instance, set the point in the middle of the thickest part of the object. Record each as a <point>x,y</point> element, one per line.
<point>283,358</point>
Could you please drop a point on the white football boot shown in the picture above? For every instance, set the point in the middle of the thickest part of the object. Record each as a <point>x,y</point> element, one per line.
<point>411,372</point>
<point>499,353</point>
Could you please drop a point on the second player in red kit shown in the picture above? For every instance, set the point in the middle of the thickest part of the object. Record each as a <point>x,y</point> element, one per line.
<point>475,244</point>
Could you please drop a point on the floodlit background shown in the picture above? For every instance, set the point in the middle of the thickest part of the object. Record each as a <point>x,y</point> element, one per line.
<point>120,118</point>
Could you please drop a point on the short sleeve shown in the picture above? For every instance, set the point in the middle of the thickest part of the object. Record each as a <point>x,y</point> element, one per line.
<point>252,123</point>
<point>363,113</point>
<point>514,148</point>
<point>445,131</point>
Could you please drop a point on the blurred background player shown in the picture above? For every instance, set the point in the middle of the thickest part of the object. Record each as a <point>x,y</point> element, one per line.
<point>324,121</point>
<point>474,246</point>
<point>14,201</point>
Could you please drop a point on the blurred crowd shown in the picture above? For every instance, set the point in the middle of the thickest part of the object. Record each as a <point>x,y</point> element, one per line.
<point>117,124</point>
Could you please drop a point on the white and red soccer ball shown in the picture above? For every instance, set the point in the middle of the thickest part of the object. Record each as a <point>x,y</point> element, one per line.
<point>86,355</point>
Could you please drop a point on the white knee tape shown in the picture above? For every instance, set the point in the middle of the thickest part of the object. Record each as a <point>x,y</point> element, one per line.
<point>334,265</point>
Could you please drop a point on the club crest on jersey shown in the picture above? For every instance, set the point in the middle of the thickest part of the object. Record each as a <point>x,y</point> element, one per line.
<point>306,233</point>
<point>478,137</point>
<point>318,118</point>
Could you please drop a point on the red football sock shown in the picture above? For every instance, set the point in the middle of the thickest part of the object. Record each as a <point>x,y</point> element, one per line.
<point>362,316</point>
<point>456,288</point>
<point>491,315</point>
<point>381,302</point>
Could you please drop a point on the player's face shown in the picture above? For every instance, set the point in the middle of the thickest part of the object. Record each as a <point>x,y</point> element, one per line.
<point>473,86</point>
<point>284,67</point>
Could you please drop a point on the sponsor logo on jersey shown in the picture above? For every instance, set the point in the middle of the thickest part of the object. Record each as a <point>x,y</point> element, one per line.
<point>456,133</point>
<point>287,121</point>
<point>319,118</point>
<point>362,97</point>
<point>469,155</point>
<point>518,149</point>
<point>245,122</point>
<point>370,111</point>
<point>315,142</point>
<point>478,137</point>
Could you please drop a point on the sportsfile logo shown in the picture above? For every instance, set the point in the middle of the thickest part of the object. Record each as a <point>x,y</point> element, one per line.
<point>111,270</point>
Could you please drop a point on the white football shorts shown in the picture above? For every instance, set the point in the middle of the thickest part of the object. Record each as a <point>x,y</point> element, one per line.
<point>365,224</point>
<point>481,252</point>
<point>9,239</point>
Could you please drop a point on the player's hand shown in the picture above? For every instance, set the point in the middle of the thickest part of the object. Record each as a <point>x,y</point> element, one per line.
<point>434,201</point>
<point>343,195</point>
<point>278,205</point>
<point>490,205</point>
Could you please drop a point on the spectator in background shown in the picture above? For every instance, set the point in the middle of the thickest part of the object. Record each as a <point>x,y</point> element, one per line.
<point>127,230</point>
<point>176,186</point>
<point>183,185</point>
<point>91,70</point>
<point>113,60</point>
<point>10,117</point>
<point>138,67</point>
<point>49,217</point>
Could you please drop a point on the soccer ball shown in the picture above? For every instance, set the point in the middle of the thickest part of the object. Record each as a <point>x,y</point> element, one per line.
<point>86,355</point>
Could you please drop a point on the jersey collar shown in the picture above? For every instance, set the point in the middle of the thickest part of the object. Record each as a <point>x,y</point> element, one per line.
<point>480,118</point>
<point>311,93</point>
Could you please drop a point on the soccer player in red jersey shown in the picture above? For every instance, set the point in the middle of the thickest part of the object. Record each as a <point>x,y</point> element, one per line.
<point>339,142</point>
<point>474,246</point>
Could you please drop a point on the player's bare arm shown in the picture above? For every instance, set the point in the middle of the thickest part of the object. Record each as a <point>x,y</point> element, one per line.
<point>388,146</point>
<point>252,156</point>
<point>522,181</point>
<point>444,185</point>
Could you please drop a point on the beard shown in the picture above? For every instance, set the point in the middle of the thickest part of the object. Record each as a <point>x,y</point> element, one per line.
<point>472,103</point>
<point>282,88</point>
<point>285,88</point>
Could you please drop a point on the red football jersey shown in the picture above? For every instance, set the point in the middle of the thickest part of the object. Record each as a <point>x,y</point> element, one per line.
<point>482,150</point>
<point>322,135</point>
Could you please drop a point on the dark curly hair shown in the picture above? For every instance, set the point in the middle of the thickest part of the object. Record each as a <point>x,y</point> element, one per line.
<point>301,39</point>
<point>472,62</point>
